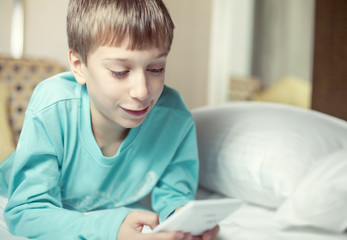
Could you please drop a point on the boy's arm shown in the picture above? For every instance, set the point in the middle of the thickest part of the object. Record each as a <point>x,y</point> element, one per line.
<point>35,209</point>
<point>178,184</point>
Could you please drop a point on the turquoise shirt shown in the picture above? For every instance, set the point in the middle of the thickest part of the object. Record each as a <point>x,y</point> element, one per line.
<point>59,184</point>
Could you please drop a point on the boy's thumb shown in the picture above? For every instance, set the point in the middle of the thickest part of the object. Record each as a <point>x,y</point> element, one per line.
<point>146,218</point>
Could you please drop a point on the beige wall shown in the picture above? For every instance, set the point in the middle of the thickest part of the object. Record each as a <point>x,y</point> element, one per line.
<point>5,20</point>
<point>187,68</point>
<point>44,28</point>
<point>45,34</point>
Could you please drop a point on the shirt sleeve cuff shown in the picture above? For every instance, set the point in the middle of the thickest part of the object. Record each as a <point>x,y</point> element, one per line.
<point>170,210</point>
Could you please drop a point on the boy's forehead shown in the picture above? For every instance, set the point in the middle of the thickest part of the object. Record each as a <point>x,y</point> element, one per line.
<point>126,46</point>
<point>123,53</point>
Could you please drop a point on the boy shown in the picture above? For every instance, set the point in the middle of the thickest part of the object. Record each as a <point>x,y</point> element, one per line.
<point>98,140</point>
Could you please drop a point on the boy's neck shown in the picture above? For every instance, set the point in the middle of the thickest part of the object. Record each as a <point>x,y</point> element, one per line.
<point>109,143</point>
<point>110,147</point>
<point>108,136</point>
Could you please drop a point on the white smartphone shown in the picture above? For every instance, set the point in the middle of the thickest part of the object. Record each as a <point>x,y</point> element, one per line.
<point>198,216</point>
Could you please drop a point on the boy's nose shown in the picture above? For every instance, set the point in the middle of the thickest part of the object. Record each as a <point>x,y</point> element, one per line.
<point>139,88</point>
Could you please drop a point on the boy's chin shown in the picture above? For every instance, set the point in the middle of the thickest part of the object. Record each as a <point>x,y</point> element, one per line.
<point>132,123</point>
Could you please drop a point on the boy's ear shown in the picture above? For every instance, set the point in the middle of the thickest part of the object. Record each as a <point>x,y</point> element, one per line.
<point>76,65</point>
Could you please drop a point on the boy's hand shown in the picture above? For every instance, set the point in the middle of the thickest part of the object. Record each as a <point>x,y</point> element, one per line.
<point>208,235</point>
<point>132,226</point>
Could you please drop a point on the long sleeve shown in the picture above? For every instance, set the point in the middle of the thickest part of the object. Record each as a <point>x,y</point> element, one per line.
<point>35,208</point>
<point>179,182</point>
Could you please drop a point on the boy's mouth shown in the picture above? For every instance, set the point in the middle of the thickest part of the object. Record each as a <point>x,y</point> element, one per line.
<point>136,113</point>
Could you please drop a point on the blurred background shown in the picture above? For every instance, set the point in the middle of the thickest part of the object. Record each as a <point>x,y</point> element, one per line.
<point>224,50</point>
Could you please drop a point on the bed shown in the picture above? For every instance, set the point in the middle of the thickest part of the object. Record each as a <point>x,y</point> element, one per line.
<point>287,164</point>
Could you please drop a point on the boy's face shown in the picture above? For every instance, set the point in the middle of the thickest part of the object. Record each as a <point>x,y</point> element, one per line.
<point>123,85</point>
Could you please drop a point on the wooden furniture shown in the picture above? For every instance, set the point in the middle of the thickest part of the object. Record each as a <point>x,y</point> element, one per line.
<point>329,93</point>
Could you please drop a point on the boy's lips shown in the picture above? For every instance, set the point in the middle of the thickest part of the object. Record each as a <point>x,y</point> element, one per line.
<point>136,113</point>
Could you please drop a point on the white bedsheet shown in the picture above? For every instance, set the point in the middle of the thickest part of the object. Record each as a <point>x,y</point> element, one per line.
<point>4,233</point>
<point>252,222</point>
<point>248,223</point>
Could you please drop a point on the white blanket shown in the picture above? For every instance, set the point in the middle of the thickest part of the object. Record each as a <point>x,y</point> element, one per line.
<point>252,222</point>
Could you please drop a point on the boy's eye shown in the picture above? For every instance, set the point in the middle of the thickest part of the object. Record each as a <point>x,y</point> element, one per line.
<point>156,70</point>
<point>119,74</point>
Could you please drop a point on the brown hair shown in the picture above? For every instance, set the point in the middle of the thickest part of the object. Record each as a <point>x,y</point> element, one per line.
<point>95,23</point>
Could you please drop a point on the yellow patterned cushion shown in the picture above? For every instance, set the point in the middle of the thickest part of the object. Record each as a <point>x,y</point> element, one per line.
<point>6,139</point>
<point>243,88</point>
<point>20,77</point>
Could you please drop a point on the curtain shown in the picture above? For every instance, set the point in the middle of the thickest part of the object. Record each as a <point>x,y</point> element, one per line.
<point>283,39</point>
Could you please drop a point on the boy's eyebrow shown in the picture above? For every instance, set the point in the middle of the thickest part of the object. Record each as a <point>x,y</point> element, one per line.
<point>164,54</point>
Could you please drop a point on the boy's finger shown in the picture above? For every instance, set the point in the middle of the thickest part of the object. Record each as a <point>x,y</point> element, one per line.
<point>211,234</point>
<point>164,236</point>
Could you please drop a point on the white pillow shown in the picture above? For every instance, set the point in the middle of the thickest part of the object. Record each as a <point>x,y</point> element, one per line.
<point>321,199</point>
<point>258,151</point>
